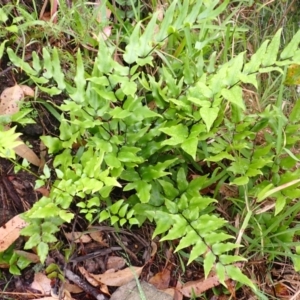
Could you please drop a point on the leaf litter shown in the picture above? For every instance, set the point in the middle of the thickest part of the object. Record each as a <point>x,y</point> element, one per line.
<point>10,100</point>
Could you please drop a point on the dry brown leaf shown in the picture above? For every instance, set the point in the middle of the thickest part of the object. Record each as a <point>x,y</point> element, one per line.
<point>115,262</point>
<point>25,152</point>
<point>44,191</point>
<point>153,249</point>
<point>10,232</point>
<point>98,237</point>
<point>9,104</point>
<point>4,266</point>
<point>11,96</point>
<point>88,276</point>
<point>43,153</point>
<point>9,100</point>
<point>199,286</point>
<point>66,297</point>
<point>41,283</point>
<point>77,237</point>
<point>93,282</point>
<point>28,91</point>
<point>104,289</point>
<point>170,291</point>
<point>30,256</point>
<point>118,278</point>
<point>162,279</point>
<point>46,298</point>
<point>72,288</point>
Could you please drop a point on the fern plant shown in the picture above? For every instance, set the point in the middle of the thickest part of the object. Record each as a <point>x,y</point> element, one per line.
<point>122,128</point>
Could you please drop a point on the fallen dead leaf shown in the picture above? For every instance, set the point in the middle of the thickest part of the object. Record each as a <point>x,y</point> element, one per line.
<point>78,237</point>
<point>170,291</point>
<point>98,237</point>
<point>66,297</point>
<point>46,298</point>
<point>118,278</point>
<point>41,283</point>
<point>72,288</point>
<point>44,191</point>
<point>11,96</point>
<point>153,249</point>
<point>9,104</point>
<point>115,262</point>
<point>9,100</point>
<point>28,91</point>
<point>25,152</point>
<point>161,280</point>
<point>88,276</point>
<point>10,232</point>
<point>30,256</point>
<point>199,286</point>
<point>106,32</point>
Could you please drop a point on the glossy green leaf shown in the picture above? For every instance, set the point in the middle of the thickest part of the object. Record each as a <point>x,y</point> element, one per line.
<point>243,180</point>
<point>209,115</point>
<point>230,259</point>
<point>169,190</point>
<point>42,250</point>
<point>182,183</point>
<point>132,48</point>
<point>219,248</point>
<point>272,50</point>
<point>178,229</point>
<point>23,262</point>
<point>116,206</point>
<point>189,239</point>
<point>236,274</point>
<point>209,261</point>
<point>256,59</point>
<point>190,146</point>
<point>220,156</point>
<point>163,222</point>
<point>66,216</point>
<point>143,190</point>
<point>33,240</point>
<point>58,75</point>
<point>2,47</point>
<point>291,47</point>
<point>20,62</point>
<point>199,249</point>
<point>221,273</point>
<point>234,95</point>
<point>280,204</point>
<point>178,134</point>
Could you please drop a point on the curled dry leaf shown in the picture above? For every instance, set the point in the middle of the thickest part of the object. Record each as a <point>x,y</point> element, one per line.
<point>170,291</point>
<point>30,256</point>
<point>88,276</point>
<point>78,237</point>
<point>41,283</point>
<point>28,91</point>
<point>10,232</point>
<point>199,286</point>
<point>11,96</point>
<point>9,100</point>
<point>9,105</point>
<point>162,279</point>
<point>25,152</point>
<point>66,297</point>
<point>98,236</point>
<point>72,288</point>
<point>115,262</point>
<point>118,278</point>
<point>44,191</point>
